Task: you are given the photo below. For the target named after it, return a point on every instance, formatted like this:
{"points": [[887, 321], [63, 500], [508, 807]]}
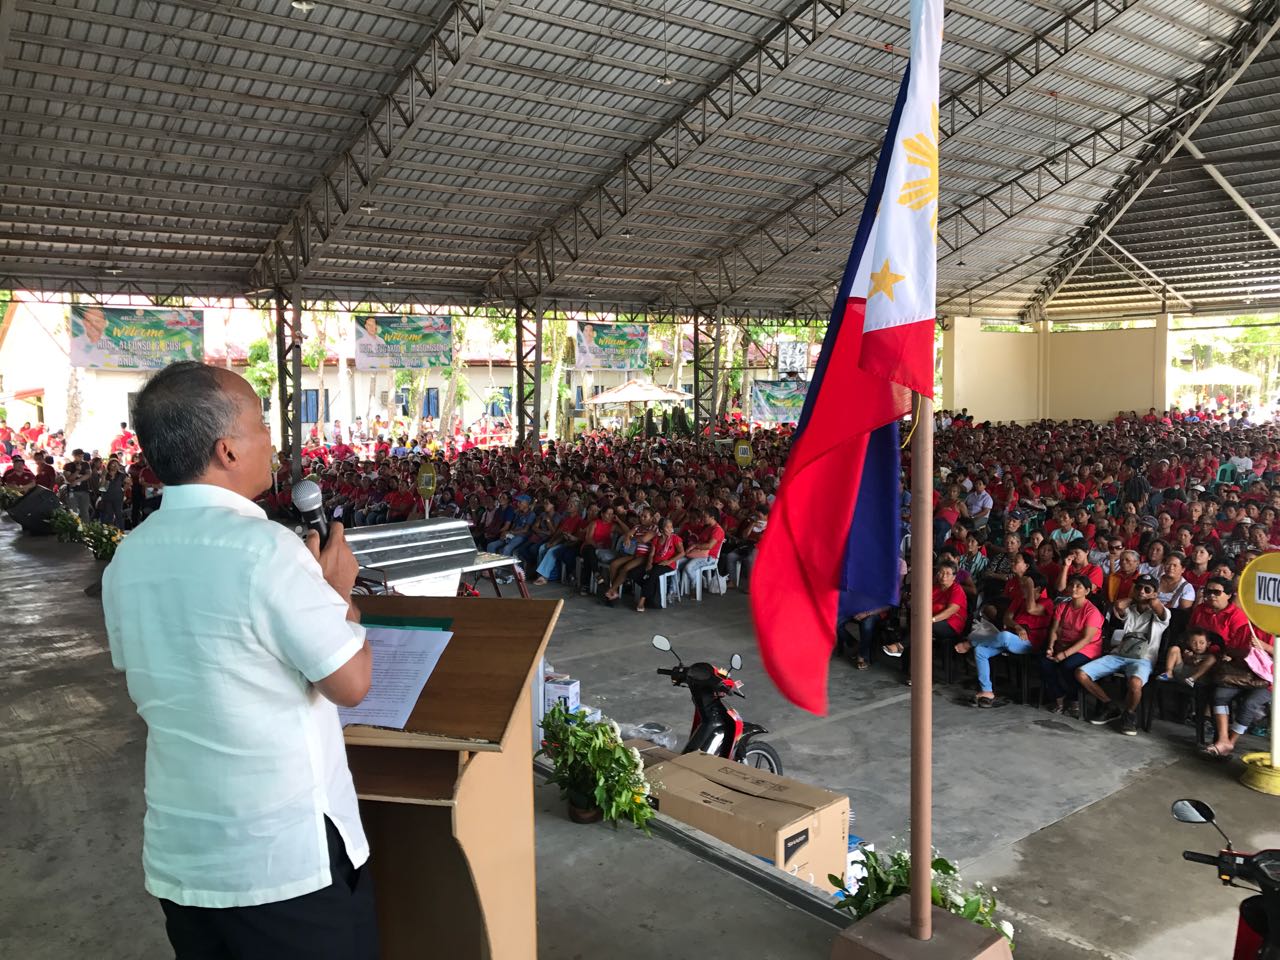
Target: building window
{"points": [[310, 406], [431, 403]]}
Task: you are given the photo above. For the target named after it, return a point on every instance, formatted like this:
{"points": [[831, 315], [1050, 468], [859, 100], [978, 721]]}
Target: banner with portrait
{"points": [[403, 342], [129, 338], [612, 346], [778, 401]]}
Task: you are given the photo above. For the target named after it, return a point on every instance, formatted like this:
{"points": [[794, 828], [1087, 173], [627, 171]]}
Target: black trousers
{"points": [[334, 923]]}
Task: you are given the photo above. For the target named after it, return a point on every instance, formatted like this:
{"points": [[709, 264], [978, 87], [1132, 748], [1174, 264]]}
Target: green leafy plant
{"points": [[593, 768], [260, 369], [67, 526], [101, 539], [8, 497], [889, 876]]}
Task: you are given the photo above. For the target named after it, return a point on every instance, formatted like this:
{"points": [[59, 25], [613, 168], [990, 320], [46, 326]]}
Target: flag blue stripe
{"points": [[870, 579], [865, 223]]}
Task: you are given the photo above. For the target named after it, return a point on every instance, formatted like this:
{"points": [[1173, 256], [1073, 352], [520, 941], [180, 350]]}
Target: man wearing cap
{"points": [[18, 477], [1134, 647]]}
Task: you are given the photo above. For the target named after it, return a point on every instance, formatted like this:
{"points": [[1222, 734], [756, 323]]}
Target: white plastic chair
{"points": [[668, 586]]}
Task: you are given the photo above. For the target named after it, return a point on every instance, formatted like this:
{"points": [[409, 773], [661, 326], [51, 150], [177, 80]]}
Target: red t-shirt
{"points": [[666, 548], [1197, 580], [18, 477], [1230, 624], [1036, 624], [953, 594], [601, 533], [716, 536], [1072, 623]]}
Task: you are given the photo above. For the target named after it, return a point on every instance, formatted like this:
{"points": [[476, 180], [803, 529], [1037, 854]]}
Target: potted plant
{"points": [[66, 525], [889, 876], [601, 778]]}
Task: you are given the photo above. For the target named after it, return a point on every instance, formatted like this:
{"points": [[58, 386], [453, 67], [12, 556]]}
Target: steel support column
{"points": [[528, 371], [289, 379], [707, 327]]}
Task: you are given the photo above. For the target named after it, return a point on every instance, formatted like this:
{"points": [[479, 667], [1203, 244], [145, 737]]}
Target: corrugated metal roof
{"points": [[635, 150]]}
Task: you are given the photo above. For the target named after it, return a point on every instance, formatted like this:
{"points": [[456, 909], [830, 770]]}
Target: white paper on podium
{"points": [[402, 664]]}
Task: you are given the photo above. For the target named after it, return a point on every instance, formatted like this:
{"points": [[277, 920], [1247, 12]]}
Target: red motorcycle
{"points": [[1258, 931], [718, 730]]}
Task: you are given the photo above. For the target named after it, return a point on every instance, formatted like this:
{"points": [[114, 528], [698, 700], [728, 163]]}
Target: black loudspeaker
{"points": [[34, 510]]}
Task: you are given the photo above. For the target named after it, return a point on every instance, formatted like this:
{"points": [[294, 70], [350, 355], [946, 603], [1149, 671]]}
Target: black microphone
{"points": [[310, 503]]}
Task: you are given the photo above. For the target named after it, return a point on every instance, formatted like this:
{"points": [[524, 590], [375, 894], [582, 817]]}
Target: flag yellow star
{"points": [[882, 281]]}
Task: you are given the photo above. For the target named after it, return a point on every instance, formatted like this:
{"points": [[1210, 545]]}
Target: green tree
{"points": [[260, 367]]}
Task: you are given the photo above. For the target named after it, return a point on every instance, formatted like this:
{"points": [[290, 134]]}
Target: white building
{"points": [[39, 384]]}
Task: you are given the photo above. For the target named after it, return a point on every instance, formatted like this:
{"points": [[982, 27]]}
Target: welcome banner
{"points": [[126, 338], [778, 401], [612, 346], [403, 342]]}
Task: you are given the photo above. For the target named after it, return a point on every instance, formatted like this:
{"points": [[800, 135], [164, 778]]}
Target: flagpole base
{"points": [[886, 935]]}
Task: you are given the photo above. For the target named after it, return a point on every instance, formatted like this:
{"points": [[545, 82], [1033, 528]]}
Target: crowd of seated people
{"points": [[1098, 550], [613, 512]]}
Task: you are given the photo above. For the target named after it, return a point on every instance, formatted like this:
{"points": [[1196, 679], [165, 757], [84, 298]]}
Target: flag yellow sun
{"points": [[922, 151]]}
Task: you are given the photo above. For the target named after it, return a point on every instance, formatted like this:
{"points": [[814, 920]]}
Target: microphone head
{"points": [[307, 496]]}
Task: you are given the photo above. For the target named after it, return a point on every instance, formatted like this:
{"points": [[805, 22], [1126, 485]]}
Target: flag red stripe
{"points": [[800, 559], [903, 354]]}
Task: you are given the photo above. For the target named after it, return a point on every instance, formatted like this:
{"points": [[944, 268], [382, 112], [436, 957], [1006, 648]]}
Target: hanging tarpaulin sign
{"points": [[793, 356], [778, 401], [612, 346], [403, 342], [128, 338]]}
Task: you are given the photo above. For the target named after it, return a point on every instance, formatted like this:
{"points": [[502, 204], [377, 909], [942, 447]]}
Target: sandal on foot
{"points": [[891, 653], [991, 703], [1212, 750], [862, 664]]}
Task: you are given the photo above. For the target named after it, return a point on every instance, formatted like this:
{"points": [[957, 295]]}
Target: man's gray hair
{"points": [[179, 416]]}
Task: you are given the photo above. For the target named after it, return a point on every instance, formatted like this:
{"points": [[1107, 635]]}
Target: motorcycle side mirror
{"points": [[1192, 811], [661, 642], [1197, 811], [735, 662]]}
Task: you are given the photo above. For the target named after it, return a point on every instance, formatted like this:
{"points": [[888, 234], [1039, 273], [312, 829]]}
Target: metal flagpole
{"points": [[922, 669]]}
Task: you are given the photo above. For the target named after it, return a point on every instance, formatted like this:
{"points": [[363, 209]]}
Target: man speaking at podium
{"points": [[237, 640]]}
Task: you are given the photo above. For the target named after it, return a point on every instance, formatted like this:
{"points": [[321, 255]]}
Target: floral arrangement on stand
{"points": [[593, 769], [101, 538], [889, 876], [8, 497]]}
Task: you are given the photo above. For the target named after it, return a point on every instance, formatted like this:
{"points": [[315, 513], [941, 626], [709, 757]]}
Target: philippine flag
{"points": [[832, 541]]}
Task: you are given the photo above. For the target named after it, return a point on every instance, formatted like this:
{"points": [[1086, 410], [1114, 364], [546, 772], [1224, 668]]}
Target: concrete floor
{"points": [[1069, 821], [71, 760]]}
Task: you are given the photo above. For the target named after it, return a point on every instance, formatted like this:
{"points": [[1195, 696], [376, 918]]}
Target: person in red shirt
{"points": [[18, 477], [1026, 628], [703, 552], [950, 606], [666, 553], [1075, 638], [401, 501], [1218, 615], [123, 441], [46, 476], [1077, 564]]}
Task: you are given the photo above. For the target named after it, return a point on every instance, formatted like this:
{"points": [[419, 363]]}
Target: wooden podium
{"points": [[447, 803]]}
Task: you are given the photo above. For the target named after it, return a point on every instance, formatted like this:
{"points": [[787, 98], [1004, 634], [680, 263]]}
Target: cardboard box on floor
{"points": [[651, 753], [801, 829]]}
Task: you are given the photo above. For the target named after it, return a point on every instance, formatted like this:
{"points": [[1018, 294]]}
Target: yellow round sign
{"points": [[427, 480], [743, 454], [1259, 594]]}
